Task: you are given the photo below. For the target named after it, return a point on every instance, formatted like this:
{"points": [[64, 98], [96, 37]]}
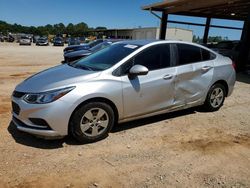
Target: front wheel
{"points": [[215, 97], [92, 122]]}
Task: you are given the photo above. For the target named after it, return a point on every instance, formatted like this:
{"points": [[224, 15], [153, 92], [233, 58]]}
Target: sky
{"points": [[108, 13]]}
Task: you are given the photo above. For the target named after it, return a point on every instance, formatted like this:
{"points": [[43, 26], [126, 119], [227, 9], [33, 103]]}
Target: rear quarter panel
{"points": [[223, 70]]}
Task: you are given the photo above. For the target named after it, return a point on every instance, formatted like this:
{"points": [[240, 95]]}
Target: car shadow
{"points": [[154, 119], [32, 141]]}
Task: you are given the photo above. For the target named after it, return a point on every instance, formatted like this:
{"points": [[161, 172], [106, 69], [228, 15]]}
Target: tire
{"points": [[87, 127], [215, 98]]}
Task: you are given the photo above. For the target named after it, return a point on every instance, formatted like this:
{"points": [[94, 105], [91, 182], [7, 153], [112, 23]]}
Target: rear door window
{"points": [[188, 54], [206, 55]]}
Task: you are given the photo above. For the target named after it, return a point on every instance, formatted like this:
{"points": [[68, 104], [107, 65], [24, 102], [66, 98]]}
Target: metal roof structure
{"points": [[222, 9], [225, 9]]}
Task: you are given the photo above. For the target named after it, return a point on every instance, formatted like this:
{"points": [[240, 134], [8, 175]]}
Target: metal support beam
{"points": [[203, 25], [156, 15], [206, 31], [163, 27], [245, 46]]}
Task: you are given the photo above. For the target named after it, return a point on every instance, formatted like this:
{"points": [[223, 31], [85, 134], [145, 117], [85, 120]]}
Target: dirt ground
{"points": [[189, 148]]}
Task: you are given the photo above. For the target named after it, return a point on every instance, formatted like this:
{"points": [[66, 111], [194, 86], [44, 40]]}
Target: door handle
{"points": [[206, 68], [168, 77]]}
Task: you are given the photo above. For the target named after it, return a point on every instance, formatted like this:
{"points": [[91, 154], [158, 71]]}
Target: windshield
{"points": [[94, 43], [106, 57], [100, 46], [58, 39], [42, 39]]}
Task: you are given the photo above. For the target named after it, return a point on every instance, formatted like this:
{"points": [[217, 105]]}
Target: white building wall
{"points": [[179, 34], [144, 33], [172, 34]]}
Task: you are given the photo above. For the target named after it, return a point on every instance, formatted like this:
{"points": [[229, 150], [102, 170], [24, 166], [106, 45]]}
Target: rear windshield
{"points": [[106, 57]]}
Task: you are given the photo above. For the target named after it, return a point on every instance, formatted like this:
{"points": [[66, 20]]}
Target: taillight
{"points": [[234, 65]]}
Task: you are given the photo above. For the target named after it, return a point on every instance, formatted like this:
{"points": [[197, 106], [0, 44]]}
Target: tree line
{"points": [[71, 29], [211, 39]]}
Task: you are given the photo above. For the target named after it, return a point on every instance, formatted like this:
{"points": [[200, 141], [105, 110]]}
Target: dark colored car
{"points": [[35, 38], [1, 38], [76, 55], [82, 46], [58, 41], [10, 39], [73, 41], [42, 41], [228, 48]]}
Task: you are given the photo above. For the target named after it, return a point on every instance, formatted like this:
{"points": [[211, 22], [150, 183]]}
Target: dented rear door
{"points": [[192, 81]]}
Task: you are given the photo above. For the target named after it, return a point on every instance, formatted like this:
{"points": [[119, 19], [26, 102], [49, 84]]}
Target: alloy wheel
{"points": [[94, 122], [216, 97]]}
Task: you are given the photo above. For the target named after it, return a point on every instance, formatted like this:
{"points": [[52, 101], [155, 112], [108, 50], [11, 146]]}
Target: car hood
{"points": [[42, 40], [77, 53], [54, 78]]}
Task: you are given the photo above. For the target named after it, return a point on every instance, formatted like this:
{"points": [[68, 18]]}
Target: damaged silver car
{"points": [[126, 81]]}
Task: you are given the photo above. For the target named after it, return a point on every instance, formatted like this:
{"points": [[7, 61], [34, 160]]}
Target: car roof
{"points": [[154, 41], [138, 42]]}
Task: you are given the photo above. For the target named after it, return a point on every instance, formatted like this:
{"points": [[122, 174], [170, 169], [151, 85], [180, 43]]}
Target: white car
{"points": [[25, 41]]}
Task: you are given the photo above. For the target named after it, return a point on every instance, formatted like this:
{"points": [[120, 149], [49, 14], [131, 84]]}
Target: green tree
{"points": [[80, 29], [70, 29]]}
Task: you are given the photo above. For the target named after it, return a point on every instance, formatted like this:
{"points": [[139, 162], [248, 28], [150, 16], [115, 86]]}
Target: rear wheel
{"points": [[92, 122], [215, 97]]}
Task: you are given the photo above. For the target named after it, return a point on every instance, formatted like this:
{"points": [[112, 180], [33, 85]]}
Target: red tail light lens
{"points": [[234, 65]]}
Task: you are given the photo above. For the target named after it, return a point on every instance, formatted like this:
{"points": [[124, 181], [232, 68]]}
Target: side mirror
{"points": [[138, 70]]}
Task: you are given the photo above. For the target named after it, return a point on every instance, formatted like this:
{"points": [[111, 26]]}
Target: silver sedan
{"points": [[128, 80]]}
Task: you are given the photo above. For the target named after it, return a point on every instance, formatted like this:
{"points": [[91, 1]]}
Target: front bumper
{"points": [[58, 44], [55, 114], [25, 43], [42, 44], [40, 133]]}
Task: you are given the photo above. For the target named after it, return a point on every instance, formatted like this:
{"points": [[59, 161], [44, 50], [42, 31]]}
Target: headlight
{"points": [[46, 97]]}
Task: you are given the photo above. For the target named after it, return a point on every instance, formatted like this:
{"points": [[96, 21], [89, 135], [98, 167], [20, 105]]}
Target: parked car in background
{"points": [[73, 41], [58, 41], [82, 39], [126, 81], [228, 48], [76, 55], [35, 38], [9, 38], [42, 41], [1, 38], [82, 46], [24, 40]]}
